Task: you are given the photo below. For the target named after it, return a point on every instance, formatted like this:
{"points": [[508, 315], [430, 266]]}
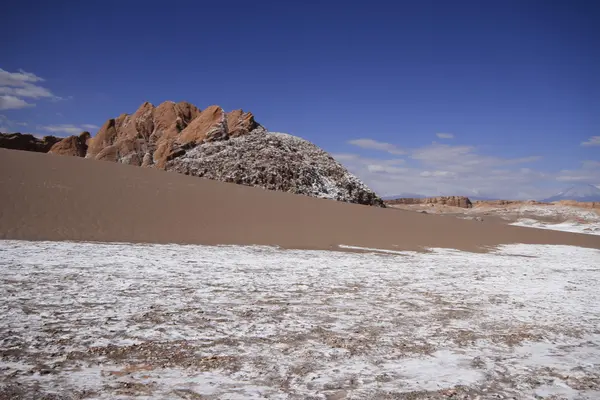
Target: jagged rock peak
{"points": [[153, 135]]}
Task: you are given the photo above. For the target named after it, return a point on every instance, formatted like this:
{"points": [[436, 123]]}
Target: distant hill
{"points": [[578, 193]]}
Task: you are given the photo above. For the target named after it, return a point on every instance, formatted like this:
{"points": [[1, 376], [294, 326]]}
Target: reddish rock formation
{"points": [[153, 135], [240, 123], [72, 146], [27, 142], [453, 201]]}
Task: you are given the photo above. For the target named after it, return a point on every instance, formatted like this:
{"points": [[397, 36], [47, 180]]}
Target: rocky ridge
{"points": [[452, 201], [219, 145], [27, 142]]}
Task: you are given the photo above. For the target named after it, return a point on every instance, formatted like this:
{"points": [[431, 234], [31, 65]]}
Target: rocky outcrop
{"points": [[225, 146], [72, 146], [154, 135], [27, 142], [453, 201], [213, 144], [274, 161]]}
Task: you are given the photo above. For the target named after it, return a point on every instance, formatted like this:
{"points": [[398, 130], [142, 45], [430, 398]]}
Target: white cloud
{"points": [[445, 135], [17, 86], [589, 164], [387, 169], [9, 122], [588, 173], [13, 103], [68, 128], [17, 78], [462, 159], [438, 174], [440, 169], [28, 90], [593, 141], [375, 145]]}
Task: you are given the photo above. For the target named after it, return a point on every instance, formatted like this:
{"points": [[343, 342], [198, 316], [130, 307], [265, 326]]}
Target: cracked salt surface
{"points": [[111, 321]]}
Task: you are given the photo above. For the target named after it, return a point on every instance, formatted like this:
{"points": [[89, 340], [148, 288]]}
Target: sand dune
{"points": [[46, 197]]}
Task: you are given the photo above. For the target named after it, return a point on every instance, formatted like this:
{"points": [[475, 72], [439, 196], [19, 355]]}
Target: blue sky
{"points": [[512, 86]]}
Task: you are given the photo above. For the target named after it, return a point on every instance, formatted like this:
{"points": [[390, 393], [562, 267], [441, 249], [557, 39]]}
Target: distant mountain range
{"points": [[578, 193]]}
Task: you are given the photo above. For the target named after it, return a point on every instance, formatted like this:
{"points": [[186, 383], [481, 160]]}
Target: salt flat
{"points": [[567, 226], [111, 321]]}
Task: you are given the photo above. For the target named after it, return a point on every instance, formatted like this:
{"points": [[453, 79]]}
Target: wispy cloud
{"points": [[441, 169], [7, 121], [69, 129], [13, 103], [589, 164], [375, 145], [15, 87], [437, 174], [10, 126], [463, 158], [588, 173], [445, 135], [593, 141]]}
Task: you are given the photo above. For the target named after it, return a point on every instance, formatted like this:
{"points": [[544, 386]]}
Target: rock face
{"points": [[154, 135], [214, 144], [72, 145], [274, 161], [453, 201], [27, 142]]}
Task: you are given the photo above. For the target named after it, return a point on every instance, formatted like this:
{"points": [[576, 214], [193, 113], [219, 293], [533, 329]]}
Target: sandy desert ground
{"points": [[47, 197], [117, 321], [559, 217], [408, 306]]}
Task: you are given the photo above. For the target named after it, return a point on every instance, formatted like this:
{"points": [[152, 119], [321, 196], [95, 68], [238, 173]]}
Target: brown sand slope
{"points": [[47, 197]]}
